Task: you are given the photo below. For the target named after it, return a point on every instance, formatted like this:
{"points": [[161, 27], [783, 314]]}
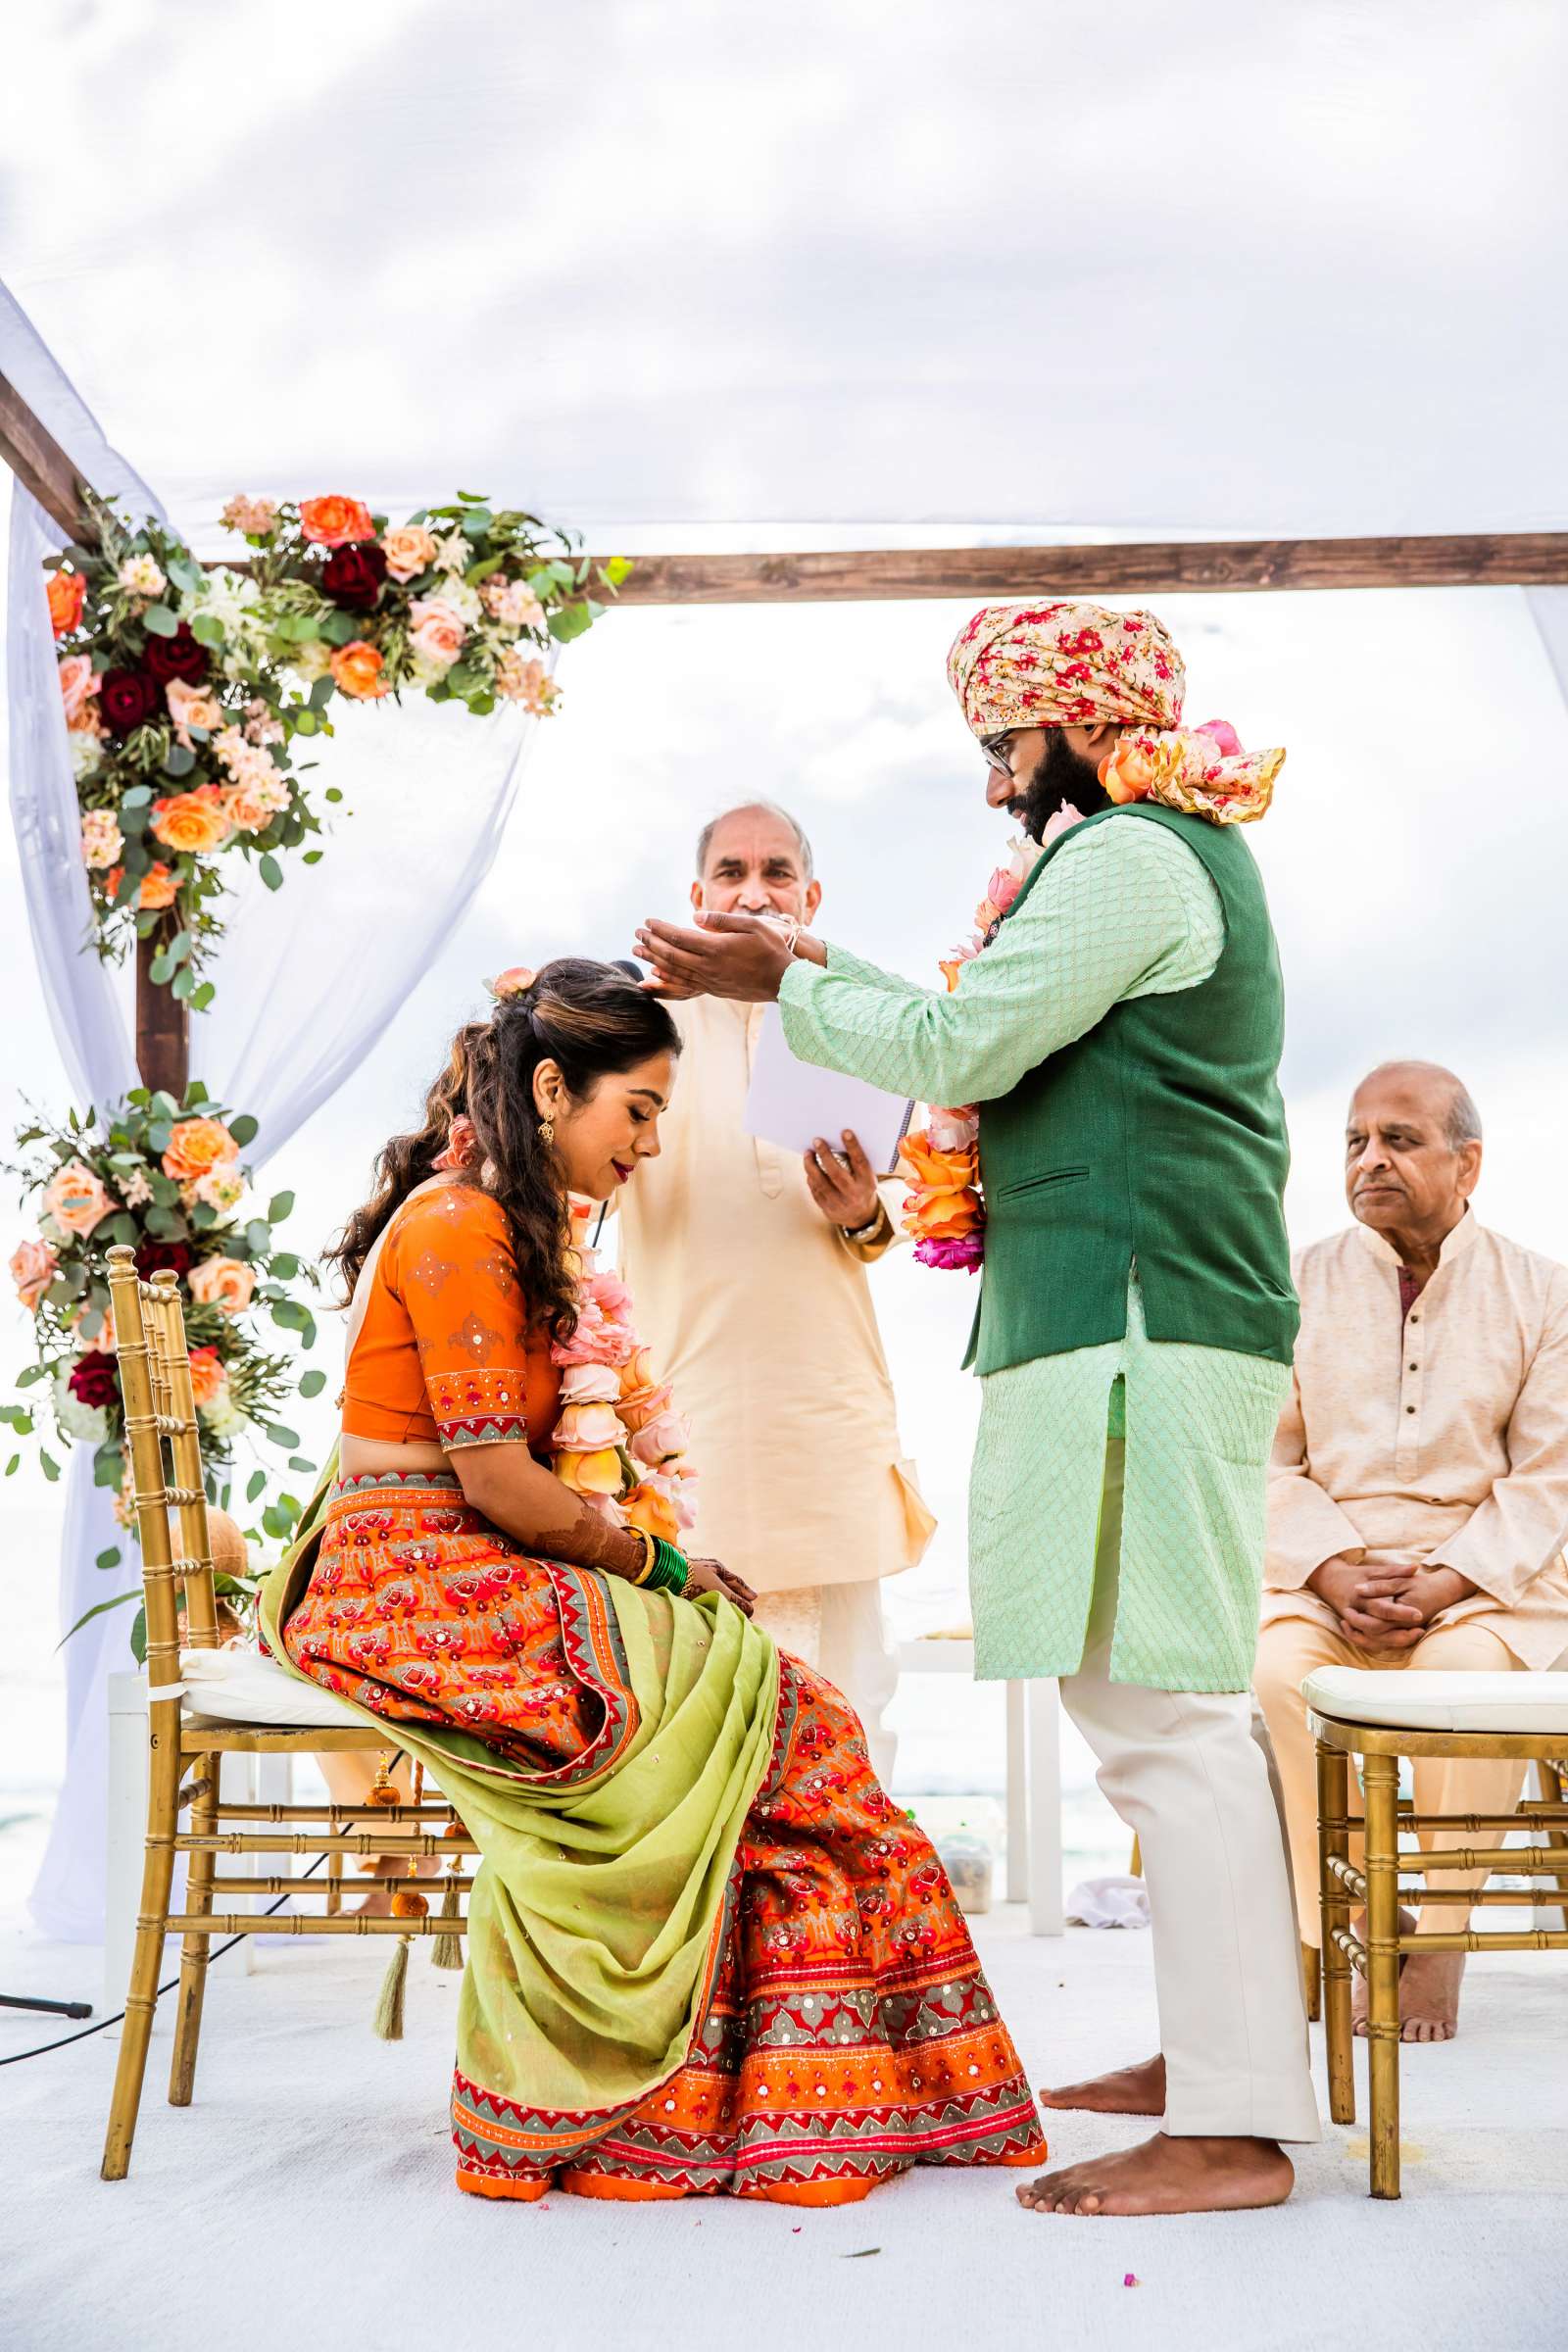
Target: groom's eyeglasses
{"points": [[995, 748]]}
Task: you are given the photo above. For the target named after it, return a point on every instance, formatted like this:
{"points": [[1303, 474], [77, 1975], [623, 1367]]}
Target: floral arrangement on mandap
{"points": [[620, 1443], [185, 688], [167, 1180]]}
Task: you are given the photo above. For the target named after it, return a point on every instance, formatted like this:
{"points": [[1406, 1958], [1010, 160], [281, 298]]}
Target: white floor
{"points": [[306, 2198]]}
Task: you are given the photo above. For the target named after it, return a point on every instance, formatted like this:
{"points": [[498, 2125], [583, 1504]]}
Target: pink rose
{"points": [[79, 684], [609, 1295], [1224, 734], [590, 1384], [586, 1428], [75, 1200], [32, 1270], [438, 631], [664, 1440], [408, 551]]}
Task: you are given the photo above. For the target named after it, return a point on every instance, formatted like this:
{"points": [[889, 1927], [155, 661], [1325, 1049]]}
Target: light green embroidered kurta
{"points": [[1122, 911]]}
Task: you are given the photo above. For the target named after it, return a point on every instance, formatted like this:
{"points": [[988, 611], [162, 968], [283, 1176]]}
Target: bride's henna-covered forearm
{"points": [[531, 1503]]}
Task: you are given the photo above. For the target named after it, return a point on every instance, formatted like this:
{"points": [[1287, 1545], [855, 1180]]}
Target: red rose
{"points": [[154, 1258], [178, 657], [95, 1380], [355, 575], [128, 698]]}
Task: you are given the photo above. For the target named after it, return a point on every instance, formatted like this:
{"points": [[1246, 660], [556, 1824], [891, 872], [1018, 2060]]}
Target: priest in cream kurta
{"points": [[755, 1303]]}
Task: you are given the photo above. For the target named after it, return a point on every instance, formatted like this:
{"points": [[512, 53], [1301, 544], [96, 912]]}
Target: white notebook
{"points": [[792, 1103]]}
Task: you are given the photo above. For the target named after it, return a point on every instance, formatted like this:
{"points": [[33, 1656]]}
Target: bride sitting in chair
{"points": [[705, 1951]]}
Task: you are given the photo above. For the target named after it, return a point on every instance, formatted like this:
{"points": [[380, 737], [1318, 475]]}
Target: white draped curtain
{"points": [[307, 980]]}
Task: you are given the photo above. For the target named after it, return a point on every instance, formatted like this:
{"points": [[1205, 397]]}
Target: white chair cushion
{"points": [[240, 1685], [1413, 1702]]}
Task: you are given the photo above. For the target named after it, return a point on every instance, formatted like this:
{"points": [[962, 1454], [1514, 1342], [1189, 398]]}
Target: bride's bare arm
{"points": [[515, 1494]]}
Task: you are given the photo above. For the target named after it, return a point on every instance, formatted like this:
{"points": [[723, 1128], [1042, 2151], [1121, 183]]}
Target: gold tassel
{"points": [[387, 2023], [445, 1951]]}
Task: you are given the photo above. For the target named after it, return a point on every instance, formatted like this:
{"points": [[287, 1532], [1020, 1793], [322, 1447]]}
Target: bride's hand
{"points": [[711, 1575]]}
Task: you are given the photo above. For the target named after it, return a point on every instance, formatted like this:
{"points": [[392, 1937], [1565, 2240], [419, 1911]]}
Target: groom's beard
{"points": [[1060, 774]]}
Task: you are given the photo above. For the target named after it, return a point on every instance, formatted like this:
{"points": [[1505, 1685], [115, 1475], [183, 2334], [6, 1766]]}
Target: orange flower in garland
{"points": [[357, 670], [335, 520], [66, 593]]}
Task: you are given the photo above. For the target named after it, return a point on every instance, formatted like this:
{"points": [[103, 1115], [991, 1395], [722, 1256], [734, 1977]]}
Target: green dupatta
{"points": [[599, 1911]]}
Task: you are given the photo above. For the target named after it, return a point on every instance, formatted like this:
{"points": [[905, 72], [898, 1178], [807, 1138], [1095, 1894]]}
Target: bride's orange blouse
{"points": [[443, 1355]]}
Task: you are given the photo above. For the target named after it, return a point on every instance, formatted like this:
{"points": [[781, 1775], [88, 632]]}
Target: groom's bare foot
{"points": [[1131, 2090], [1168, 2175]]}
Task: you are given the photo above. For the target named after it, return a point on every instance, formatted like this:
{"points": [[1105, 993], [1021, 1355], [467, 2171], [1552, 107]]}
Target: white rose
{"points": [[464, 600], [86, 753], [311, 660], [88, 1423], [223, 1416]]}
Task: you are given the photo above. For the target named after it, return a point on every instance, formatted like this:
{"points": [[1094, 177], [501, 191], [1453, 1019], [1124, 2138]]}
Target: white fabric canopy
{"points": [[1169, 270]]}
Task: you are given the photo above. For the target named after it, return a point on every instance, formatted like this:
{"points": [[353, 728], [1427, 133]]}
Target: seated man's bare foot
{"points": [[1168, 2175], [1131, 2090], [1429, 1996]]}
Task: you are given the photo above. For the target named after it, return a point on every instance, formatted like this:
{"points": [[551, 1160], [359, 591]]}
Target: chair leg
{"points": [[1334, 1839], [1381, 1788], [1312, 1982], [194, 1949], [156, 1877]]}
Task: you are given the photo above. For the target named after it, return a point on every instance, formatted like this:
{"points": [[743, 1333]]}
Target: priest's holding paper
{"points": [[747, 1261]]}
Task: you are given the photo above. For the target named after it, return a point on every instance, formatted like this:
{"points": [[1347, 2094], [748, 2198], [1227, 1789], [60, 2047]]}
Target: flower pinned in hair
{"points": [[516, 981]]}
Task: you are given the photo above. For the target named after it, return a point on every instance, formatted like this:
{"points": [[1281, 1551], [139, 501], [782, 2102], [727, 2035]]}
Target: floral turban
{"points": [[1074, 665]]}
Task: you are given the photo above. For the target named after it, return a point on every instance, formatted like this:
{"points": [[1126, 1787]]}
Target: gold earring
{"points": [[547, 1131]]}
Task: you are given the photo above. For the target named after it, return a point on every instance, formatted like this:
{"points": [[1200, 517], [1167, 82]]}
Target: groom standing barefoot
{"points": [[1120, 1033]]}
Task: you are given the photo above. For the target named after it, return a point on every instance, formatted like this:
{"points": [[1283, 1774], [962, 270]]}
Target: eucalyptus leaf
{"points": [[159, 620], [258, 1238], [110, 1558], [257, 1481], [280, 1205], [243, 1129], [311, 1383], [177, 760], [207, 629], [49, 1466], [271, 872]]}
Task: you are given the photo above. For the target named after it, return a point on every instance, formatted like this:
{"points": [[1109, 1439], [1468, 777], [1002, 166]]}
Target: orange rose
{"points": [[66, 593], [333, 520], [208, 1379], [647, 1508], [357, 670], [222, 1282], [197, 1145], [1128, 772], [192, 822]]}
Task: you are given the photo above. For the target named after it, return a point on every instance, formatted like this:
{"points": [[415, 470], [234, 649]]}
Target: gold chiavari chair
{"points": [[167, 1481], [1383, 1718]]}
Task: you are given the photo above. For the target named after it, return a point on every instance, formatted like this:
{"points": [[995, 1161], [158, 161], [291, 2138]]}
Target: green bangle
{"points": [[670, 1568]]}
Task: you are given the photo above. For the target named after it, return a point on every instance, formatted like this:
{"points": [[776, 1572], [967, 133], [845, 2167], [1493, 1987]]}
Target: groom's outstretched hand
{"points": [[739, 955]]}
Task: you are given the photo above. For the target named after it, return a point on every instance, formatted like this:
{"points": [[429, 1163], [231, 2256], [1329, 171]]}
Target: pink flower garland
{"points": [[620, 1443]]}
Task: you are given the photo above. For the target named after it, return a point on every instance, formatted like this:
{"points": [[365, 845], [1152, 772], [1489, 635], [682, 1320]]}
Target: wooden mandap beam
{"points": [[38, 461], [1518, 558]]}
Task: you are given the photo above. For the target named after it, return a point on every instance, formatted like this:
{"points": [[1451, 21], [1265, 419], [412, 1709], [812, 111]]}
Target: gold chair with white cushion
{"points": [[1381, 1718], [205, 1702]]}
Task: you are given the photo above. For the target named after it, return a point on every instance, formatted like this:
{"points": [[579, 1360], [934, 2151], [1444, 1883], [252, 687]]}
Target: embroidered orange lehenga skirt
{"points": [[847, 2033]]}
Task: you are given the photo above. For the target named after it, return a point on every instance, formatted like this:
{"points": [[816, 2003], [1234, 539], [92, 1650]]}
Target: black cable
{"points": [[88, 2032], [104, 2023]]}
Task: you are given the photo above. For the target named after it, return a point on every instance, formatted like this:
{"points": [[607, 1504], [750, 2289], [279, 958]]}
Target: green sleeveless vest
{"points": [[1160, 1136]]}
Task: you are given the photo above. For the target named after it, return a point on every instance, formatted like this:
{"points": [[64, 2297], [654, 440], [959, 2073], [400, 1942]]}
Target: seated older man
{"points": [[1418, 1498]]}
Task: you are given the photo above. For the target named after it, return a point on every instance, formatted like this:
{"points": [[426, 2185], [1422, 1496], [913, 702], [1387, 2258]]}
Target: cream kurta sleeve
{"points": [[1122, 911], [1305, 1524], [1518, 1531]]}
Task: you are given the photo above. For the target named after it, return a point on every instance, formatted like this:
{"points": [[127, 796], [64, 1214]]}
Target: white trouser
{"points": [[838, 1629], [1183, 1770]]}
